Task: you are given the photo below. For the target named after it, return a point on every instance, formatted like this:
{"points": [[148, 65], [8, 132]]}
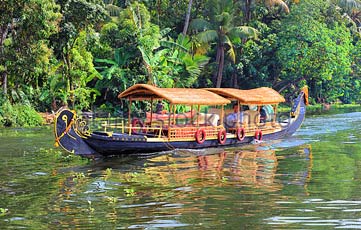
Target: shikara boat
{"points": [[201, 124]]}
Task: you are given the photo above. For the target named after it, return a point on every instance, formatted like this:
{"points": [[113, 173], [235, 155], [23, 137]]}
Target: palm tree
{"points": [[221, 29], [247, 6]]}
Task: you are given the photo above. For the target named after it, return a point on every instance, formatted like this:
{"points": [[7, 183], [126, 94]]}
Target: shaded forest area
{"points": [[84, 52]]}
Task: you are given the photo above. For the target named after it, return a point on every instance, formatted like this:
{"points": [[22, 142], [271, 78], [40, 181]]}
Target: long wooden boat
{"points": [[202, 126]]}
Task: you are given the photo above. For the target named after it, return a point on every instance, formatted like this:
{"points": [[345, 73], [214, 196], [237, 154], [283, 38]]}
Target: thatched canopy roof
{"points": [[183, 96], [258, 96]]}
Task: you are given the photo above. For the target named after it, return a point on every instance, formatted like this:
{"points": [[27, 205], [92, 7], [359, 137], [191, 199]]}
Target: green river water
{"points": [[311, 180]]}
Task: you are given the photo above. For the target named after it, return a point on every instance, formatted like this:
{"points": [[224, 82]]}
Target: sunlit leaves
{"points": [[25, 27], [312, 50]]}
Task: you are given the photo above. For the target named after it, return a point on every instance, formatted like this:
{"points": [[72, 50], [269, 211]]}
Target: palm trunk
{"points": [[235, 79], [188, 15], [220, 68], [248, 10], [218, 58]]}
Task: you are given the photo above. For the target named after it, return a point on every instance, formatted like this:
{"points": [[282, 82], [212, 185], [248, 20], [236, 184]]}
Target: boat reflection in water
{"points": [[185, 188], [250, 167]]}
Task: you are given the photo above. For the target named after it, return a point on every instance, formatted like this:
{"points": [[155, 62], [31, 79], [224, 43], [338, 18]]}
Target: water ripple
{"points": [[319, 208]]}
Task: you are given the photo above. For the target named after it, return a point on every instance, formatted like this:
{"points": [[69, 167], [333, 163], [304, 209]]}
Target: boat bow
{"points": [[67, 135]]}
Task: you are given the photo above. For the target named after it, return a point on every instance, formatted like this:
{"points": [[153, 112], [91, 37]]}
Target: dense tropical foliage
{"points": [[84, 52]]}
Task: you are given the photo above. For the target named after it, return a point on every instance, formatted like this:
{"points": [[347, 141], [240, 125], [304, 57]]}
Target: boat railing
{"points": [[156, 129], [120, 126], [107, 124], [189, 132], [159, 128]]}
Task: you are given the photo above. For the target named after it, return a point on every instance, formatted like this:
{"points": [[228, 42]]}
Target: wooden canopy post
{"points": [[151, 112], [275, 112], [174, 113], [198, 111], [170, 113], [169, 120], [129, 110], [238, 115], [222, 115], [191, 121], [258, 117]]}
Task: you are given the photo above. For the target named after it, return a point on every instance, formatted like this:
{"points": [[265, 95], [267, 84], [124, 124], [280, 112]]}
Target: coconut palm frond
{"points": [[200, 25], [207, 36], [113, 10], [245, 32], [231, 53], [201, 60], [224, 19], [173, 45]]}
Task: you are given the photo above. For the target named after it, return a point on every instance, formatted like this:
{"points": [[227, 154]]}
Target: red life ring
{"points": [[200, 136], [240, 134], [137, 126], [258, 135], [222, 136]]}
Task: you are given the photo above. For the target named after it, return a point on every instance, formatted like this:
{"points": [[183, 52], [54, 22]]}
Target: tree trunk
{"points": [[5, 82], [188, 15], [235, 79], [288, 83], [220, 68], [66, 74], [4, 29], [218, 58], [247, 13]]}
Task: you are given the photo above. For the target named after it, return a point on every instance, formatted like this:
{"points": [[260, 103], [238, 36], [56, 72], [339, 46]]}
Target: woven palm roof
{"points": [[185, 96], [258, 96]]}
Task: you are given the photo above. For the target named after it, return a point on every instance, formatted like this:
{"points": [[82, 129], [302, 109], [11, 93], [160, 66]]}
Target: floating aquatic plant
{"points": [[3, 211], [129, 191]]}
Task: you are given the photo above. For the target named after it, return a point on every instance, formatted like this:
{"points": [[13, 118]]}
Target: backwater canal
{"points": [[311, 180]]}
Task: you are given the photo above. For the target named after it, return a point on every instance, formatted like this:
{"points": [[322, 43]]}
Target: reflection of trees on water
{"points": [[182, 178], [298, 171]]}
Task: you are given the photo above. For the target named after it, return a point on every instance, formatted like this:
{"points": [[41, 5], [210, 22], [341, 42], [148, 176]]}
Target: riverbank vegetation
{"points": [[84, 52]]}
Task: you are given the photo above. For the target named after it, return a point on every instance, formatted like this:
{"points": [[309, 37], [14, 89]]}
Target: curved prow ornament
{"points": [[67, 136]]}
